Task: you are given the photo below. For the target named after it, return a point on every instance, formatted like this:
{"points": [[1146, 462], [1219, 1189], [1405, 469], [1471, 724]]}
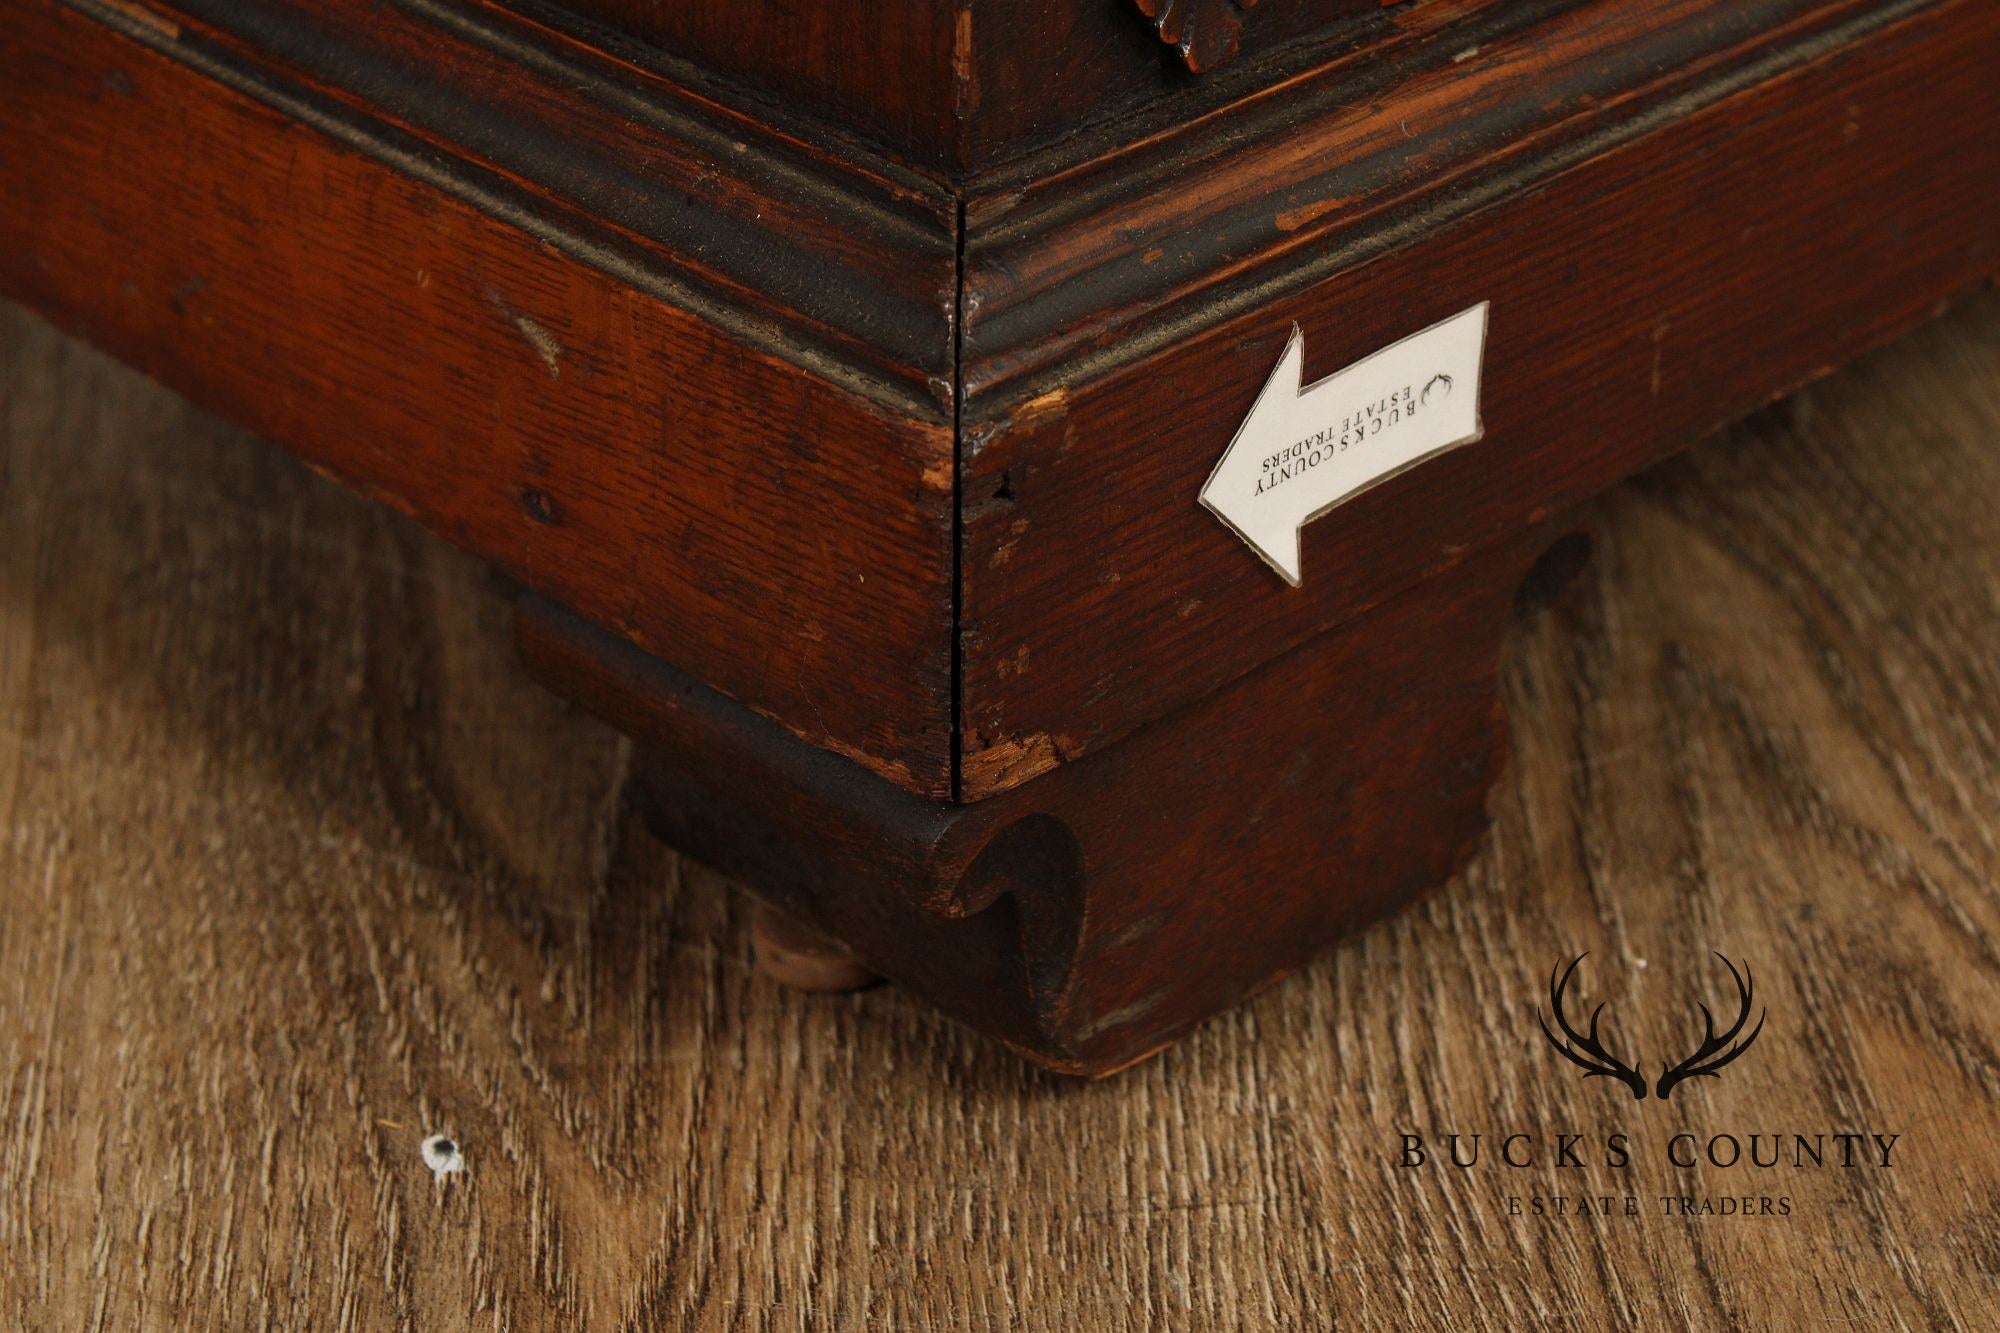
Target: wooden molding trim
{"points": [[782, 391], [690, 374], [901, 474], [1677, 210], [838, 261], [1085, 260]]}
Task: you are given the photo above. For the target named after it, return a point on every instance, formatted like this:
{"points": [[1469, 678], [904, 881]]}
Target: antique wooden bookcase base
{"points": [[840, 384]]}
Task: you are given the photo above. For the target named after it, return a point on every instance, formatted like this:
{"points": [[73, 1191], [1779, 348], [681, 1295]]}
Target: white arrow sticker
{"points": [[1301, 451]]}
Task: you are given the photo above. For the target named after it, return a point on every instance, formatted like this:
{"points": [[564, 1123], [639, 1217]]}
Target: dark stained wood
{"points": [[866, 501], [1089, 918], [723, 356], [556, 356], [1798, 183], [885, 72], [297, 866], [956, 86]]}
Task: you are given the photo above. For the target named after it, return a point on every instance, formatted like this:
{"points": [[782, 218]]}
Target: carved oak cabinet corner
{"points": [[1049, 520]]}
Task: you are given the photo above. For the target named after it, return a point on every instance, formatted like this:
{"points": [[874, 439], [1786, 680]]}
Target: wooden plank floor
{"points": [[296, 868]]}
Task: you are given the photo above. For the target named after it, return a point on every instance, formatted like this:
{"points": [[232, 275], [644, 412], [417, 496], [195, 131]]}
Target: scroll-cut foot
{"points": [[794, 954], [1093, 914]]}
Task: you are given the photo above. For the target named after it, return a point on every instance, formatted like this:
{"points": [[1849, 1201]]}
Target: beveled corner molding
{"points": [[864, 492], [1624, 233], [1207, 33], [502, 280]]}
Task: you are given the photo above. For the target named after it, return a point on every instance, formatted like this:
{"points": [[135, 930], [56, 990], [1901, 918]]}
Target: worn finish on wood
{"points": [[962, 86], [703, 416], [626, 341], [909, 464], [296, 866], [1092, 917], [1709, 229]]}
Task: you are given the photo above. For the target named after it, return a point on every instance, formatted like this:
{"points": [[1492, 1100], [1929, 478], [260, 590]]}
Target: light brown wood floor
{"points": [[296, 867]]}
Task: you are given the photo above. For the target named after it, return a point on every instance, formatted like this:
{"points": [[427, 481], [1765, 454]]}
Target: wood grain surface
{"points": [[515, 343], [296, 867], [1646, 287], [964, 85]]}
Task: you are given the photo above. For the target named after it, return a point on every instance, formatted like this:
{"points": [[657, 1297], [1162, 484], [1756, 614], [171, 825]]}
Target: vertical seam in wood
{"points": [[955, 724]]}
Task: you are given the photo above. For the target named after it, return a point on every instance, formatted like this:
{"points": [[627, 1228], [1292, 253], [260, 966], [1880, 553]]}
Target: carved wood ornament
{"points": [[1205, 32]]}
